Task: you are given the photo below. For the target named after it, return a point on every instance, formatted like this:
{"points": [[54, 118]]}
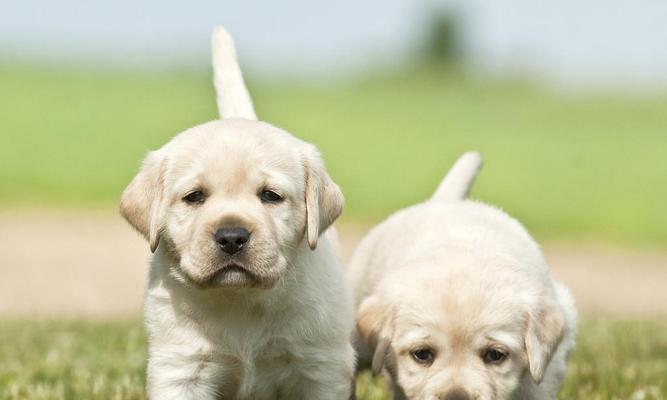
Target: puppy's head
{"points": [[461, 335], [231, 201]]}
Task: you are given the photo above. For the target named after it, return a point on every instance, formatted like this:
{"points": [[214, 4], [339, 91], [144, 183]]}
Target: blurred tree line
{"points": [[443, 41]]}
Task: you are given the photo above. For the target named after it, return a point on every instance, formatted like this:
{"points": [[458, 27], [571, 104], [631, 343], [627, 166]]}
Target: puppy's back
{"points": [[436, 229]]}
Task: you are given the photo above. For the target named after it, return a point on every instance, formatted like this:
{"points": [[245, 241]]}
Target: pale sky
{"points": [[571, 40]]}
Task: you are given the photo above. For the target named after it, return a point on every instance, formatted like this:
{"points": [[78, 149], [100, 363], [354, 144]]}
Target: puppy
{"points": [[246, 298], [456, 302]]}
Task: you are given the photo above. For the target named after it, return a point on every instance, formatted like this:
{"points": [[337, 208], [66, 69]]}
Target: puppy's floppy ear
{"points": [[545, 328], [232, 95], [375, 325], [142, 202], [324, 199]]}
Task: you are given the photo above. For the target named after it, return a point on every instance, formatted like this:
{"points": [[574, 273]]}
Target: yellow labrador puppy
{"points": [[246, 297], [455, 301]]}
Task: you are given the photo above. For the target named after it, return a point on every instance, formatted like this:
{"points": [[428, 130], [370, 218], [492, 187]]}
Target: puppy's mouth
{"points": [[233, 275], [229, 272]]}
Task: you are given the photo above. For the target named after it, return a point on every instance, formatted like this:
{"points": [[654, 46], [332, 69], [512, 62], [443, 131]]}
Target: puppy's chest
{"points": [[265, 370]]}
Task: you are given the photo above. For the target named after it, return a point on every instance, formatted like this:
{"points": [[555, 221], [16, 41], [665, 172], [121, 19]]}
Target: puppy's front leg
{"points": [[173, 375], [329, 379]]}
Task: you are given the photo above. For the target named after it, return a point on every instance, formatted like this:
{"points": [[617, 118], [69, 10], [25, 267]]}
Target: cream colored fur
{"points": [[272, 321], [460, 278]]}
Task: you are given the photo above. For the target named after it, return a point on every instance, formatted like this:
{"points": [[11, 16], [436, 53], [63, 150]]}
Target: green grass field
{"points": [[105, 360], [576, 167]]}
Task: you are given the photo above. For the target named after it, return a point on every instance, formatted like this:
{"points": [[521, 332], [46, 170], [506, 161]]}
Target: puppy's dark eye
{"points": [[268, 196], [423, 355], [196, 197], [494, 356]]}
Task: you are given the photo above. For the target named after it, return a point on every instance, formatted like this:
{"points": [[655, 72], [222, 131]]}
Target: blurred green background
{"points": [[568, 166]]}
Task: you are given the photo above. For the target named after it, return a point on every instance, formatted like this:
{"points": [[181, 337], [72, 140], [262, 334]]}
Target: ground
{"points": [[95, 264], [72, 287], [102, 360]]}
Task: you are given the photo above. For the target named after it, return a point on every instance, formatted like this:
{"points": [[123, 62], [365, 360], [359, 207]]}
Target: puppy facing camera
{"points": [[246, 296], [469, 310]]}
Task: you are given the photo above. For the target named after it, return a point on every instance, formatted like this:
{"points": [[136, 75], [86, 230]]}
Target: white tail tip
{"points": [[459, 180], [232, 95]]}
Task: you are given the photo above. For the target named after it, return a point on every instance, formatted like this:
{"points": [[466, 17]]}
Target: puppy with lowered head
{"points": [[246, 298], [456, 302]]}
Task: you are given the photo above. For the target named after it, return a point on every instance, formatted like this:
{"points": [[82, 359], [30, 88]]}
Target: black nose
{"points": [[456, 394], [232, 240]]}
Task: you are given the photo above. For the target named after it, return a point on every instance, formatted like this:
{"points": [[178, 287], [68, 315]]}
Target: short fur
{"points": [[272, 321], [460, 278]]}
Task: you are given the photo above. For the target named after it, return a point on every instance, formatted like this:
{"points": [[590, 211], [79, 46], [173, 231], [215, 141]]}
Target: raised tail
{"points": [[232, 96], [457, 183]]}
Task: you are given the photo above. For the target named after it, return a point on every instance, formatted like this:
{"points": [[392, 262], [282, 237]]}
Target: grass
{"points": [[72, 360], [75, 359], [578, 166]]}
